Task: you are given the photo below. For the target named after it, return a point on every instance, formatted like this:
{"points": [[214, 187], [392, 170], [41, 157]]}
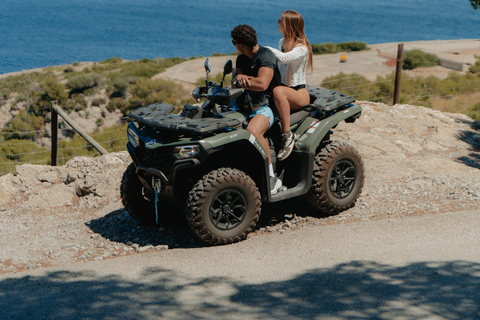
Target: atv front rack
{"points": [[159, 115]]}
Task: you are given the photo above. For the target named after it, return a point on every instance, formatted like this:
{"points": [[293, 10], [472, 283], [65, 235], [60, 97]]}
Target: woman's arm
{"points": [[298, 52]]}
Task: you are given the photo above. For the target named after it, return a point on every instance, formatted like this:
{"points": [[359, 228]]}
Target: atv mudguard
{"points": [[312, 131]]}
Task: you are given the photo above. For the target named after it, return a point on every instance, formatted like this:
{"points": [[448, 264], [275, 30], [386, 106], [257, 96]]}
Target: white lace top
{"points": [[292, 64]]}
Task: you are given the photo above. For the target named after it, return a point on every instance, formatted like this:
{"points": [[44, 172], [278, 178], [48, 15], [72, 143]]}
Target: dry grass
{"points": [[456, 104]]}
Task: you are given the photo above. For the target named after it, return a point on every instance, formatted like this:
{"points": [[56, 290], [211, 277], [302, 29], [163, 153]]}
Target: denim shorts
{"points": [[264, 111]]}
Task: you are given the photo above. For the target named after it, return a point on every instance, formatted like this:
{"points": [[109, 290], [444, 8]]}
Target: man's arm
{"points": [[259, 83]]}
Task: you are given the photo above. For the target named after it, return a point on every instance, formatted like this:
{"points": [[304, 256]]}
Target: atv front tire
{"points": [[224, 206], [133, 199], [338, 176]]}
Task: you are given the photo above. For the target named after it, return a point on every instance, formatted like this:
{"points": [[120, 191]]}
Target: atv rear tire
{"points": [[131, 192], [338, 176], [224, 206]]}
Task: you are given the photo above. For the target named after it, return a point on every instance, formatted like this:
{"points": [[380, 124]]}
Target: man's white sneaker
{"points": [[275, 184]]}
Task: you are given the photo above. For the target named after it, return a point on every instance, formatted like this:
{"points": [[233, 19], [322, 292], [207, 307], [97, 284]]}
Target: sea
{"points": [[40, 33]]}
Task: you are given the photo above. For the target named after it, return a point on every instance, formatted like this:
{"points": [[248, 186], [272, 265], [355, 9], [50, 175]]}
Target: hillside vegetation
{"points": [[93, 91]]}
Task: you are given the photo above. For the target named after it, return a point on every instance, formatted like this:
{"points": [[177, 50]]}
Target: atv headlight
{"points": [[185, 152], [133, 138]]}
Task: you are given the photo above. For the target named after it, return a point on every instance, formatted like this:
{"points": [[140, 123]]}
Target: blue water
{"points": [[39, 33]]}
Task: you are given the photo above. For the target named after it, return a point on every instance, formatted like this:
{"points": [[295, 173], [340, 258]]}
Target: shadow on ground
{"points": [[472, 137], [119, 227], [355, 290]]}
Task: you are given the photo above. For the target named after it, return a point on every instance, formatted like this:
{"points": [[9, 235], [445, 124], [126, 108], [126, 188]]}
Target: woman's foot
{"points": [[288, 141]]}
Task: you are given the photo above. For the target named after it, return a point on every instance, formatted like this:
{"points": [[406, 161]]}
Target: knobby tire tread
{"points": [[317, 195], [197, 200]]}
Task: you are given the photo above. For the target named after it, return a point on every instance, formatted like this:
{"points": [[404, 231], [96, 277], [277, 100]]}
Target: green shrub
{"points": [[69, 105], [414, 90], [120, 87], [417, 58], [112, 60], [22, 151], [351, 84], [21, 97], [80, 102], [474, 112], [475, 68], [116, 103], [145, 68], [98, 102], [53, 90], [113, 139], [4, 94], [330, 47], [324, 48], [69, 69], [25, 125], [23, 82], [352, 46], [217, 78], [82, 82]]}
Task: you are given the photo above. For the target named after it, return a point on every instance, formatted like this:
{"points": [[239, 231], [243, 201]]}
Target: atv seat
{"points": [[298, 116]]}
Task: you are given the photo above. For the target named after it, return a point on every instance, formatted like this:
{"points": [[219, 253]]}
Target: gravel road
{"points": [[421, 267]]}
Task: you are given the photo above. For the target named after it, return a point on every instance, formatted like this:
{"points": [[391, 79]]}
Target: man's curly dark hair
{"points": [[244, 34]]}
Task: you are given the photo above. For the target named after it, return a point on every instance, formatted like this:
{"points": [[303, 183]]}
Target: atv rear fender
{"points": [[312, 131]]}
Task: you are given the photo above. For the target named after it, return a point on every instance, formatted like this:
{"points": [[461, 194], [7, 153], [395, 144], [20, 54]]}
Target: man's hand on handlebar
{"points": [[242, 81]]}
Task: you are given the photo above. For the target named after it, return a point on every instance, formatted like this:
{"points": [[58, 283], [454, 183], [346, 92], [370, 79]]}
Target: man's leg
{"points": [[257, 126]]}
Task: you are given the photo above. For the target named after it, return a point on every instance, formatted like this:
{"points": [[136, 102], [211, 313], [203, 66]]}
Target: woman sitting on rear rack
{"points": [[294, 56]]}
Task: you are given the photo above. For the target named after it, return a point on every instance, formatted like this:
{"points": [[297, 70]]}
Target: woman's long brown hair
{"points": [[294, 33]]}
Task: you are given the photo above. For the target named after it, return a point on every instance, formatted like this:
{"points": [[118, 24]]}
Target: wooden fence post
{"points": [[79, 130], [54, 137], [398, 74]]}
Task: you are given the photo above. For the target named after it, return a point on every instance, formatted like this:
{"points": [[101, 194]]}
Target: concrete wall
{"points": [[451, 64]]}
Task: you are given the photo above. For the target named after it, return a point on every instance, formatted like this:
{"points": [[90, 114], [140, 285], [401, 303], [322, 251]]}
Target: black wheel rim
{"points": [[228, 209], [342, 179]]}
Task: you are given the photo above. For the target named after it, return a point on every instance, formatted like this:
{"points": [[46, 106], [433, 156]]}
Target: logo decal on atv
{"points": [[313, 126]]}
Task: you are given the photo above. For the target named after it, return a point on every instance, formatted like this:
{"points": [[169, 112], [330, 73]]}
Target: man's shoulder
{"points": [[262, 51], [266, 57], [242, 57]]}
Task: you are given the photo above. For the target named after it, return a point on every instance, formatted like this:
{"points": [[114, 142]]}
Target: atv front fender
{"points": [[227, 138]]}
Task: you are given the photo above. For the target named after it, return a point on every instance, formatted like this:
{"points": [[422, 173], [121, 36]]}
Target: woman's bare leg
{"points": [[287, 99]]}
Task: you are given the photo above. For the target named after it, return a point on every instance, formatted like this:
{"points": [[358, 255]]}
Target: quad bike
{"points": [[204, 162]]}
